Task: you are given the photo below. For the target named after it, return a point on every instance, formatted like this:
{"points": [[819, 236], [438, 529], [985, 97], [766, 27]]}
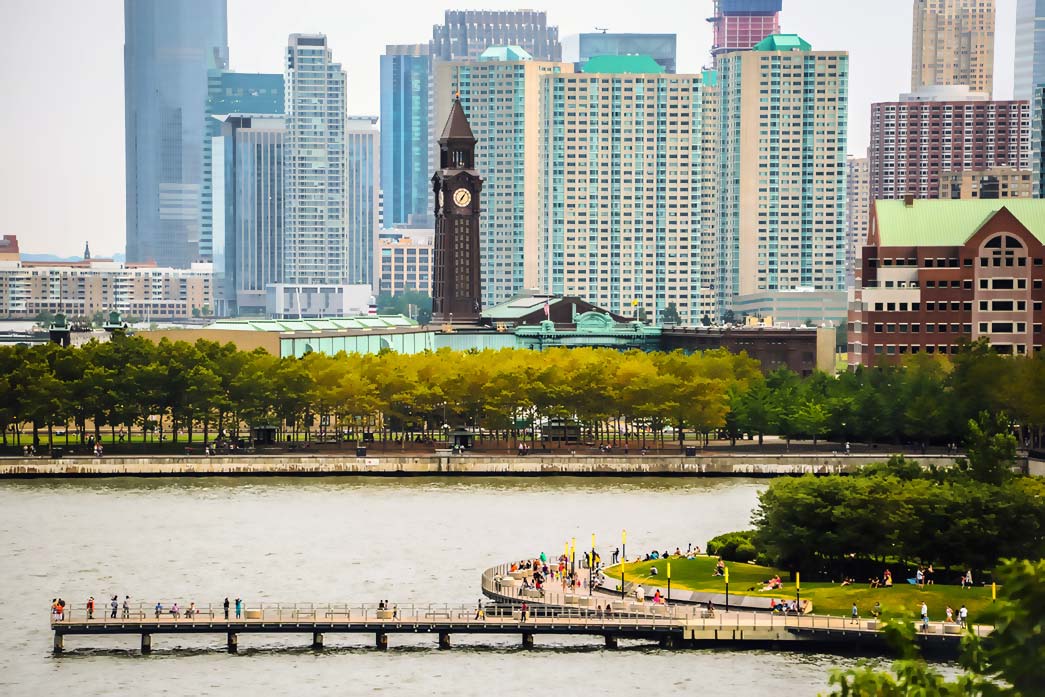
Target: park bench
{"points": [[441, 613]]}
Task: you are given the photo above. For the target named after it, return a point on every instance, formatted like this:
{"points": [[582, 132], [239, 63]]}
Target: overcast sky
{"points": [[61, 81]]}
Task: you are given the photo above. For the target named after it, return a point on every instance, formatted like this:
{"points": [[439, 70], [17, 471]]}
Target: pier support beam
{"points": [[381, 641], [59, 642], [146, 643], [317, 640], [611, 641], [667, 642], [233, 642], [527, 640], [444, 640]]}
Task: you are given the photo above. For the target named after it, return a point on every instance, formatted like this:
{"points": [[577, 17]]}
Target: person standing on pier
{"points": [[226, 607], [90, 608], [126, 607], [925, 617], [239, 607], [114, 605], [855, 618]]}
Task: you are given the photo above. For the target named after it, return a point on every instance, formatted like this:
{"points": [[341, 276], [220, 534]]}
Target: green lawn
{"points": [[827, 598]]}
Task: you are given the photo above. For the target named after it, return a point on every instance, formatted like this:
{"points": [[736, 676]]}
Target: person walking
{"points": [[158, 609], [114, 605], [126, 608], [90, 608], [925, 617], [524, 611], [855, 618], [963, 616], [479, 609], [226, 606]]}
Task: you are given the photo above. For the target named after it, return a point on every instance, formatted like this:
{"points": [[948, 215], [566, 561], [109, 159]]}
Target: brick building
{"points": [[937, 272]]}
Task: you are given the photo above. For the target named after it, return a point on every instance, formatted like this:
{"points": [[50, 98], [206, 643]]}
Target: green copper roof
{"points": [[949, 223], [313, 325], [505, 53], [622, 64], [709, 77], [783, 42]]}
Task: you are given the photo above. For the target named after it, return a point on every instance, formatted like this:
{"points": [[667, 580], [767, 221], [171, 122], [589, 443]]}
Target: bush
{"points": [[734, 546], [745, 552]]}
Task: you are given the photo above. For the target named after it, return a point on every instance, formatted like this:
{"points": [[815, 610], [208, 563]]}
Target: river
{"points": [[350, 540]]}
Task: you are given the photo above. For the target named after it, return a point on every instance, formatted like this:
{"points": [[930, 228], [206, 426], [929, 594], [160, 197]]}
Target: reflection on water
{"points": [[349, 540]]}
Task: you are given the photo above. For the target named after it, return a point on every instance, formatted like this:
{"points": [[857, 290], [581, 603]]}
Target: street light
{"points": [[591, 565], [573, 556], [669, 581], [798, 590], [624, 559], [726, 572]]}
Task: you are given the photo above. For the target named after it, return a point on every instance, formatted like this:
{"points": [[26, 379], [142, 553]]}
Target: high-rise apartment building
{"points": [[500, 93], [404, 257], [740, 24], [659, 47], [709, 172], [782, 167], [1030, 48], [1037, 145], [362, 211], [229, 93], [168, 49], [914, 142], [465, 34], [405, 74], [998, 182], [620, 176], [249, 200], [953, 44], [858, 205], [314, 161]]}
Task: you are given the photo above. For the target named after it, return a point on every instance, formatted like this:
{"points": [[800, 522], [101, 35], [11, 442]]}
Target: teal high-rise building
{"points": [[405, 75]]}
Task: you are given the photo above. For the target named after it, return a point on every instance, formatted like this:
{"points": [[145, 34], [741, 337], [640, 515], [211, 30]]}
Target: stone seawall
{"points": [[711, 465]]}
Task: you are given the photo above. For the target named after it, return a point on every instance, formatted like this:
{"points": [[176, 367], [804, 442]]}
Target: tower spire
{"points": [[87, 251]]}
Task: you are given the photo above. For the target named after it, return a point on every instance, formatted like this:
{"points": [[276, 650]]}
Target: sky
{"points": [[62, 179]]}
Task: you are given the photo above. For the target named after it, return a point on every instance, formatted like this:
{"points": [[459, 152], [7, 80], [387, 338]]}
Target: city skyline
{"points": [[92, 37]]}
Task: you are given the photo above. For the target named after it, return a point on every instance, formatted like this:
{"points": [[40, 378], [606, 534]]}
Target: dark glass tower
{"points": [[168, 49], [457, 287]]}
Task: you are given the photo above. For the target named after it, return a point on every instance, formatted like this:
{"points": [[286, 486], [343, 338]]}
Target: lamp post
{"points": [[573, 556], [798, 590], [669, 581], [726, 572], [591, 565], [624, 559]]}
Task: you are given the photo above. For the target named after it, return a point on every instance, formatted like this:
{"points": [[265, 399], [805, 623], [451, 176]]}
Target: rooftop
{"points": [[457, 124], [325, 324], [622, 64], [783, 42], [950, 222], [505, 53]]}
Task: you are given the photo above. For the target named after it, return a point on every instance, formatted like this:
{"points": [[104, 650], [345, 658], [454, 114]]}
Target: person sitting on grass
{"points": [[720, 568], [847, 581]]}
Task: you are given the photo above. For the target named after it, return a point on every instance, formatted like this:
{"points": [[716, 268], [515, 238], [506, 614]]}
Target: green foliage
{"points": [[410, 303], [990, 448], [733, 546]]}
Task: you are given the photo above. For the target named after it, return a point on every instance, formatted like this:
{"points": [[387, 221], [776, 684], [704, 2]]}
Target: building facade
{"points": [[936, 273], [362, 207], [953, 44], [659, 47], [405, 74], [500, 94], [169, 48], [999, 182], [914, 142], [249, 192], [314, 161], [1030, 48], [82, 289], [782, 169], [229, 93], [1037, 144], [620, 176], [857, 204], [465, 34], [404, 261], [740, 24], [709, 298]]}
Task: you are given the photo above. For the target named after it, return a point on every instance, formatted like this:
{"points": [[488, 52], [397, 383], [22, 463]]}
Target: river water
{"points": [[350, 540]]}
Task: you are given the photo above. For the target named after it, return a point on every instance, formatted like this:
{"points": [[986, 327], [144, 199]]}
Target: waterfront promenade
{"points": [[747, 464]]}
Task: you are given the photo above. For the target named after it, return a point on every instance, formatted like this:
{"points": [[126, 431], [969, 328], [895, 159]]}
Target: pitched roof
{"points": [[622, 64], [783, 42], [949, 223], [457, 124]]}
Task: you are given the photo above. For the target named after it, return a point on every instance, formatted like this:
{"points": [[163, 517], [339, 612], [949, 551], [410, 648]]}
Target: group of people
{"points": [[785, 607], [384, 605], [123, 608]]}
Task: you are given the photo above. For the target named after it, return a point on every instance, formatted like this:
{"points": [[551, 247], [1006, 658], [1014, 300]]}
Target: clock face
{"points": [[462, 197], [440, 198]]}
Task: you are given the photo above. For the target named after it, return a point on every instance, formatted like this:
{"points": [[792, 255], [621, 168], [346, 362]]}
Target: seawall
{"points": [[710, 465]]}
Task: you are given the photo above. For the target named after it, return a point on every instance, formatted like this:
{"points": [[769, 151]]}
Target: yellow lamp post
{"points": [[669, 581], [726, 573], [591, 565], [623, 559], [798, 590]]}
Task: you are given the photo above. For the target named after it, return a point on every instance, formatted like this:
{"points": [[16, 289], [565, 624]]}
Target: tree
{"points": [[990, 449], [811, 419], [670, 315]]}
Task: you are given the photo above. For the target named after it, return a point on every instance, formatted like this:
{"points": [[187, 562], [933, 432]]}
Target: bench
{"points": [[707, 614], [432, 614], [384, 614]]}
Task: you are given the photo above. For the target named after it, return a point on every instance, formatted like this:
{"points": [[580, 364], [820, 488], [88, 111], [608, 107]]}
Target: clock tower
{"points": [[456, 286]]}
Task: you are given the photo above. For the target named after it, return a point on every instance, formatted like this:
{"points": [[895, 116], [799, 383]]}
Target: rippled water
{"points": [[349, 540]]}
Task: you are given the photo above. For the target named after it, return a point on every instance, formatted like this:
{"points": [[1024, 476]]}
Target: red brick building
{"points": [[914, 142], [934, 272]]}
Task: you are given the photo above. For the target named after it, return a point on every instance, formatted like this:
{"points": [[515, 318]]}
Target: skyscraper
{"points": [[620, 177], [168, 49], [249, 202], [363, 174], [465, 34], [740, 24], [659, 47], [782, 166], [858, 205], [500, 94], [953, 44], [314, 162], [405, 74], [229, 93], [1030, 48]]}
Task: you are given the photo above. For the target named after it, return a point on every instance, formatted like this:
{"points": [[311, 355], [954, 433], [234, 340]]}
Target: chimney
{"points": [[908, 201]]}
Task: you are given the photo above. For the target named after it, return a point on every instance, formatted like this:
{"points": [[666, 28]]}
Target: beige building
{"points": [[404, 260], [500, 93], [621, 187], [999, 182], [782, 148], [858, 205], [953, 44], [81, 289], [708, 299]]}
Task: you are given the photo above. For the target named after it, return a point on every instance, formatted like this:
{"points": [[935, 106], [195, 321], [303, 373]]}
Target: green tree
{"points": [[990, 449]]}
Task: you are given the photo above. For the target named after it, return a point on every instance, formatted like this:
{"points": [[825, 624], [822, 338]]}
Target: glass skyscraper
{"points": [[362, 176], [405, 74], [659, 47], [168, 49], [1030, 48]]}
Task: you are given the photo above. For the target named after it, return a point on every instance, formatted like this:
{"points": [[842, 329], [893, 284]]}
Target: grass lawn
{"points": [[827, 598]]}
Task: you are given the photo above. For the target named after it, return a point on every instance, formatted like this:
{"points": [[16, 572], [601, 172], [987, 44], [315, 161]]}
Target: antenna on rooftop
{"points": [[602, 30]]}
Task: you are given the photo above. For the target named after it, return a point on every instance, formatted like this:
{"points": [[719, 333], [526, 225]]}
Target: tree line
{"points": [[178, 390]]}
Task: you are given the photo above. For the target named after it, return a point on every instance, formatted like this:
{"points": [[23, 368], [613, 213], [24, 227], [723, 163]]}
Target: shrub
{"points": [[729, 546], [744, 553]]}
